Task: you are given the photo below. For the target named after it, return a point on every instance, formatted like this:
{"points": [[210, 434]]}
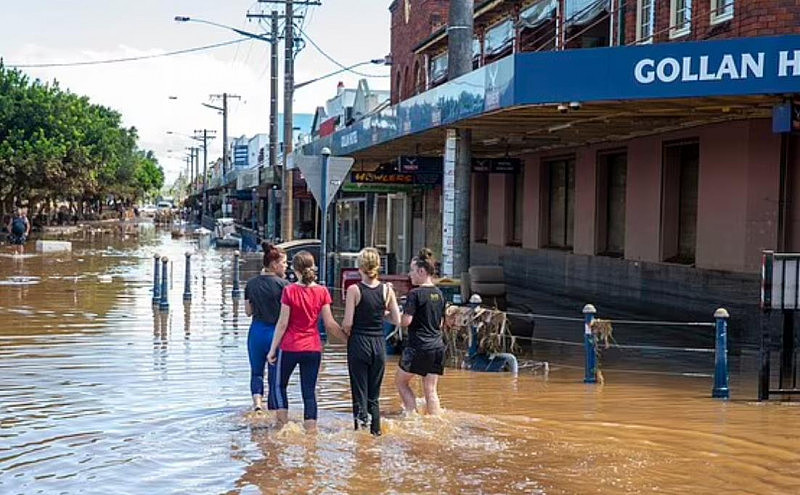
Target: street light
{"points": [[182, 18]]}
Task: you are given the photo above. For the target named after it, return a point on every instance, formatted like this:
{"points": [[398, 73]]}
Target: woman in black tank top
{"points": [[366, 305]]}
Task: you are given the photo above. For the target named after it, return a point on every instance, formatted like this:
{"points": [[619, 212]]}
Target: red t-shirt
{"points": [[306, 303]]}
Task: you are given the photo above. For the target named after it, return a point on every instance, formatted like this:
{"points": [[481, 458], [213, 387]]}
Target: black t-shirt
{"points": [[264, 293], [426, 305]]}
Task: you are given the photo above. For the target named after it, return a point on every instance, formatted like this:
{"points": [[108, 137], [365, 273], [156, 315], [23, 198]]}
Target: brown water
{"points": [[98, 395]]}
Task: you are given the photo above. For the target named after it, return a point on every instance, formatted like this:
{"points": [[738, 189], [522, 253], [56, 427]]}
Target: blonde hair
{"points": [[369, 262]]}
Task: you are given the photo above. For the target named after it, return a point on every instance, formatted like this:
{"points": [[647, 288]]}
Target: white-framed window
{"points": [[721, 10], [645, 10], [680, 18]]}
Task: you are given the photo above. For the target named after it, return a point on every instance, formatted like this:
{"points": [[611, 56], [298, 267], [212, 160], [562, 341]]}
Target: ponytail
{"points": [[426, 261]]}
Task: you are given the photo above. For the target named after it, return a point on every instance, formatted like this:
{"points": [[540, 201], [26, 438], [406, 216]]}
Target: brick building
{"points": [[649, 170]]}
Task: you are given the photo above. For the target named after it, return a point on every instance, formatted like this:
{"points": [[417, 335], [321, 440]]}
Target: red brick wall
{"points": [[750, 18], [405, 36]]}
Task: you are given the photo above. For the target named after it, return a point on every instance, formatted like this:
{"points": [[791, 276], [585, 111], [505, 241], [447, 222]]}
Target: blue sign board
{"points": [[745, 66], [240, 155]]}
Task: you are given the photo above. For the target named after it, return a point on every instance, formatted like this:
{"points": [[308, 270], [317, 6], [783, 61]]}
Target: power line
{"points": [[342, 66], [129, 59]]}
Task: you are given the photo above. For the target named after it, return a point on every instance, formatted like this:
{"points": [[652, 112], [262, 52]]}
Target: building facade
{"points": [[652, 166]]}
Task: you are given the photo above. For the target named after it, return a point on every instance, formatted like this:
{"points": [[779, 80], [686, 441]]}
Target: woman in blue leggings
{"points": [[262, 301]]}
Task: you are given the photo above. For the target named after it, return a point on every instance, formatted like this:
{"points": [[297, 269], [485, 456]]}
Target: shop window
{"points": [[721, 10], [645, 19], [680, 15], [480, 224], [560, 203], [516, 202], [679, 202], [612, 172]]}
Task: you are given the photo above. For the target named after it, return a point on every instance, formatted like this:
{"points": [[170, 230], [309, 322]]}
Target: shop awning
{"points": [[619, 91]]}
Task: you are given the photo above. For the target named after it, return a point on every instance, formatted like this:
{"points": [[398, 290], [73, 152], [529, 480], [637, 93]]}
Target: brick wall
{"points": [[425, 17], [750, 18]]}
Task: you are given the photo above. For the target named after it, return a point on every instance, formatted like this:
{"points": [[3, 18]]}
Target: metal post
{"points": [[156, 280], [721, 390], [187, 283], [287, 200], [236, 293], [766, 348], [164, 304], [590, 371], [323, 252]]}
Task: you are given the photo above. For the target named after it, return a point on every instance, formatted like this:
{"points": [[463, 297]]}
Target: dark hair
{"points": [[303, 263], [424, 259], [271, 253]]}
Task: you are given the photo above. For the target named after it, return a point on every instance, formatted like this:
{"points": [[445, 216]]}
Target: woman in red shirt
{"points": [[297, 339]]}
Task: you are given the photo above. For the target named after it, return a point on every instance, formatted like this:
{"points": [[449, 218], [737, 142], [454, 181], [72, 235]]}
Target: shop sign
{"points": [[414, 164], [394, 178], [497, 165]]}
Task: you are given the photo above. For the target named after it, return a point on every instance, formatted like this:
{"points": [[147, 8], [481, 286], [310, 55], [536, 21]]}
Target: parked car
{"points": [[294, 247], [148, 210]]}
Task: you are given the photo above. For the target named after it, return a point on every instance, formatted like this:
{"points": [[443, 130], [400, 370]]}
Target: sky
{"points": [[60, 31]]}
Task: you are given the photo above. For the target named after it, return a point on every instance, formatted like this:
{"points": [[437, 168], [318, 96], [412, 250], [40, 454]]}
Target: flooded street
{"points": [[100, 395]]}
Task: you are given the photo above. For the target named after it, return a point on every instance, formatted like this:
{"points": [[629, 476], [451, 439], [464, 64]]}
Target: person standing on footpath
{"points": [[262, 301], [366, 305], [297, 339], [19, 229], [423, 314]]}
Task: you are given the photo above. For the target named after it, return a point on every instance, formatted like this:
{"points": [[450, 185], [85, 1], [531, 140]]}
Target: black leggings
{"points": [[366, 361]]}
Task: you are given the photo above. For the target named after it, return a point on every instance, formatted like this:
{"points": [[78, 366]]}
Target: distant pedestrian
{"points": [[424, 355], [19, 229], [262, 301], [297, 339], [366, 305]]}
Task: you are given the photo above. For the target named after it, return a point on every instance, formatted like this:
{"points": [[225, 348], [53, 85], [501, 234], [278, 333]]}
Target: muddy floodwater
{"points": [[100, 395]]}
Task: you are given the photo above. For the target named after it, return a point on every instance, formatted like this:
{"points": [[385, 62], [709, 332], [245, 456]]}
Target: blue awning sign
{"points": [[697, 69]]}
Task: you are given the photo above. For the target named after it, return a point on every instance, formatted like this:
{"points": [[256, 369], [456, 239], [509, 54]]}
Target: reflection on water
{"points": [[101, 394]]}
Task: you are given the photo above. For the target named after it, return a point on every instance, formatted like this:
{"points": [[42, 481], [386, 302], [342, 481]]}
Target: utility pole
{"points": [[459, 47], [287, 179], [224, 109], [204, 135]]}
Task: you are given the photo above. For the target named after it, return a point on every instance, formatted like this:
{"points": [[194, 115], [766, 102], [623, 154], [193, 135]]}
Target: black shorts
{"points": [[17, 240], [421, 362]]}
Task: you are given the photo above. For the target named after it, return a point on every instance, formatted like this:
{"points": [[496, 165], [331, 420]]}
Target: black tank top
{"points": [[368, 316]]}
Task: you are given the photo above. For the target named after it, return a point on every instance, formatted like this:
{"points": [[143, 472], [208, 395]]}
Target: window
{"points": [[480, 225], [516, 202], [561, 203], [680, 18], [612, 171], [679, 202], [644, 21], [721, 10]]}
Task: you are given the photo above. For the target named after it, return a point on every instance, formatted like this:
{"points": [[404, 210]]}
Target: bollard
{"points": [[187, 283], [721, 390], [236, 293], [164, 304], [590, 374], [156, 280]]}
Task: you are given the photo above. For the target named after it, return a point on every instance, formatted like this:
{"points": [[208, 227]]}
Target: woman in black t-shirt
{"points": [[424, 355], [262, 301]]}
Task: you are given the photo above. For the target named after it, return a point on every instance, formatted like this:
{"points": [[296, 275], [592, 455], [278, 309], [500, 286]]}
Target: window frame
{"points": [[640, 21], [686, 23], [717, 18]]}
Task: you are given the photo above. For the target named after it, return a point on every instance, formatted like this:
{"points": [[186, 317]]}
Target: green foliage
{"points": [[57, 145]]}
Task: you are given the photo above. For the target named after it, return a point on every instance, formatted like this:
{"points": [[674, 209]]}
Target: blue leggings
{"points": [[259, 340], [309, 370]]}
